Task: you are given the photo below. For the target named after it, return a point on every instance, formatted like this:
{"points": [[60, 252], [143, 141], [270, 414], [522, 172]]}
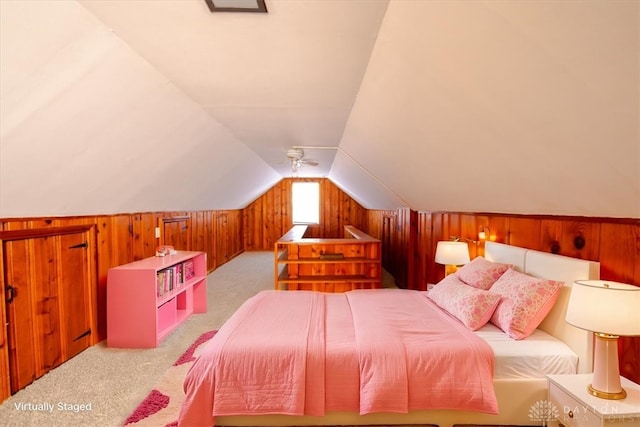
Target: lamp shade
{"points": [[605, 307], [452, 253]]}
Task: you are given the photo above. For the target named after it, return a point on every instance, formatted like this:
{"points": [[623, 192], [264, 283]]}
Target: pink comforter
{"points": [[304, 353]]}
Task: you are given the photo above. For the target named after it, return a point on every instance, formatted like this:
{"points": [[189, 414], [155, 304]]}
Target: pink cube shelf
{"points": [[150, 298]]}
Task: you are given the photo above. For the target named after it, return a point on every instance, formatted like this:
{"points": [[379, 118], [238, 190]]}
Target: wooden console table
{"points": [[327, 265]]}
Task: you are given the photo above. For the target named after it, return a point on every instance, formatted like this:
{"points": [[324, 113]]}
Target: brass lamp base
{"points": [[450, 269], [606, 395]]}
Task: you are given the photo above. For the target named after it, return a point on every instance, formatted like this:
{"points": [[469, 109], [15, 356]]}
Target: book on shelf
{"points": [[165, 281], [175, 276], [160, 282], [188, 270], [179, 275]]}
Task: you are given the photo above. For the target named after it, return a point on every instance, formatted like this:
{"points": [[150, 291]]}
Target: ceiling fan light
{"points": [[295, 154], [295, 164]]}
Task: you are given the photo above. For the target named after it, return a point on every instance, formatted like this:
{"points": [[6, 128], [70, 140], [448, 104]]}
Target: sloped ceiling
{"points": [[144, 105], [525, 107]]}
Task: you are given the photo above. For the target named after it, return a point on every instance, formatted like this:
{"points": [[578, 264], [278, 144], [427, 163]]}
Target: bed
{"points": [[337, 370]]}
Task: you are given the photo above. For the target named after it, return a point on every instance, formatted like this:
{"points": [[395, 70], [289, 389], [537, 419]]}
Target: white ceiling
{"points": [[477, 106]]}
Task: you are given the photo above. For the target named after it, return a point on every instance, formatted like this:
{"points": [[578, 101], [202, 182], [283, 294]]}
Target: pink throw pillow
{"points": [[472, 306], [481, 273], [525, 302]]}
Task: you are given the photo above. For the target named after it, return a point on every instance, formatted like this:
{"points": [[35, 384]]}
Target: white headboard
{"points": [[556, 267]]}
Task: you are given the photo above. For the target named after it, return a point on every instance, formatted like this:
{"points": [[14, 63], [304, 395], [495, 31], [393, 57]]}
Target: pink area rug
{"points": [[161, 407]]}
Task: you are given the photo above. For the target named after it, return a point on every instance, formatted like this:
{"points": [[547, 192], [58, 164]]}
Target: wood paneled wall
{"points": [[269, 216], [398, 232], [408, 239], [124, 238], [615, 243]]}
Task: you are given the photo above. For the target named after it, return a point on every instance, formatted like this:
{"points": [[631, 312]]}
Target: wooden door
{"points": [[223, 240], [47, 303], [75, 296], [175, 231], [33, 316]]}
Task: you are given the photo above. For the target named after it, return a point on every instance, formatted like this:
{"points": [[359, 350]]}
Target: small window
{"points": [[305, 200]]}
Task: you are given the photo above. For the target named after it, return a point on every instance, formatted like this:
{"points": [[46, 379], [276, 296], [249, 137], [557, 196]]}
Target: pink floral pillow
{"points": [[481, 273], [525, 302], [472, 306]]}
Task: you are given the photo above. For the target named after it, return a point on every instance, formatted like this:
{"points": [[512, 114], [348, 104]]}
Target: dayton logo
{"points": [[543, 411]]}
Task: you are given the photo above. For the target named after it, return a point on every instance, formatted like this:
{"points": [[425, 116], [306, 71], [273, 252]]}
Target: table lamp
{"points": [[609, 310], [452, 254]]}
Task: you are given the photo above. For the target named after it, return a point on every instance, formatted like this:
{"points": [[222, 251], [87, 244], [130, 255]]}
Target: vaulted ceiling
{"points": [[475, 106]]}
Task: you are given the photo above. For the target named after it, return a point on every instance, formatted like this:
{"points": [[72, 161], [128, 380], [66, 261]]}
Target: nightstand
{"points": [[577, 408]]}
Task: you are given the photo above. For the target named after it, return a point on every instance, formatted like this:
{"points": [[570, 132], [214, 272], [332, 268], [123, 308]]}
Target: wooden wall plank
{"points": [[469, 233], [269, 227], [45, 296], [197, 230], [285, 207], [373, 223], [114, 247], [21, 350], [144, 235], [550, 236], [619, 252], [412, 238], [498, 228], [269, 217], [210, 247], [524, 232], [576, 233]]}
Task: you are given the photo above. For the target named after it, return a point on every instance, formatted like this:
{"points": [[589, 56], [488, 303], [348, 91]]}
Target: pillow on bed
{"points": [[481, 273], [525, 302], [472, 306]]}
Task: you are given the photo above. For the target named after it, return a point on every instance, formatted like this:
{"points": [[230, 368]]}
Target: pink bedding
{"points": [[307, 353]]}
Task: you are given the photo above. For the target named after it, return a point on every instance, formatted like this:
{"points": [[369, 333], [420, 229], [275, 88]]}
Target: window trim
{"points": [[311, 224]]}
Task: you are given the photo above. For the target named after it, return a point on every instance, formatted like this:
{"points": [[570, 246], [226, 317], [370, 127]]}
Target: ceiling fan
{"points": [[296, 159]]}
